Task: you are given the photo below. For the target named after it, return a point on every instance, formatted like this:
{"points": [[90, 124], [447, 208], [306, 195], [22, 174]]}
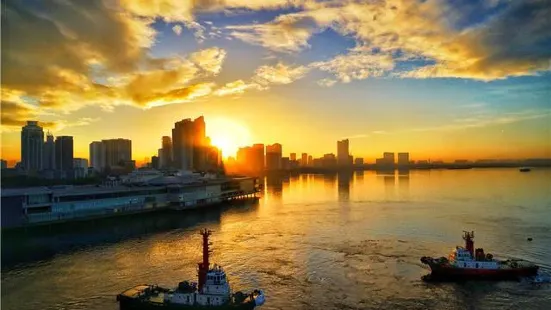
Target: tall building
{"points": [[97, 155], [343, 154], [359, 161], [200, 145], [403, 159], [285, 163], [273, 156], [64, 153], [118, 152], [80, 166], [165, 153], [49, 153], [257, 161], [293, 156], [329, 160], [32, 145], [182, 144], [310, 161], [304, 160], [155, 162], [388, 158]]}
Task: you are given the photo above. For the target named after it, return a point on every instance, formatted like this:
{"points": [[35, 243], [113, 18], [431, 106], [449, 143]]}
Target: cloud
{"points": [[287, 33], [326, 82], [434, 38], [177, 29], [184, 94], [184, 10], [237, 87], [356, 66], [279, 74], [210, 59]]}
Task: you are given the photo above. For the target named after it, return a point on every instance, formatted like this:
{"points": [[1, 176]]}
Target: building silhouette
{"points": [[97, 156], [165, 152], [343, 153], [257, 160], [80, 167], [304, 160], [293, 156], [64, 154], [155, 162], [310, 161], [3, 164], [329, 160], [32, 145], [359, 161], [273, 156], [182, 144], [200, 145], [118, 152], [49, 153], [403, 159]]}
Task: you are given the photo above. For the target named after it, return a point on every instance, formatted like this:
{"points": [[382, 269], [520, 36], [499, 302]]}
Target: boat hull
{"points": [[441, 271], [136, 304]]}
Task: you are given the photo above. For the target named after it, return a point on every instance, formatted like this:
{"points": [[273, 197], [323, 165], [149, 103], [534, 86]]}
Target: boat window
{"points": [[464, 264], [476, 265]]}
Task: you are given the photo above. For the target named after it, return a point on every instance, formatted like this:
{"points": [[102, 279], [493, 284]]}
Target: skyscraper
{"points": [[388, 158], [118, 152], [200, 146], [273, 156], [304, 160], [403, 159], [310, 161], [257, 161], [49, 153], [64, 153], [343, 154], [80, 166], [293, 156], [182, 144], [97, 155], [32, 144], [165, 153]]}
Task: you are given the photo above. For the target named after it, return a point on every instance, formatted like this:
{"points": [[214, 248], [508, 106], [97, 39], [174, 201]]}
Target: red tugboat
{"points": [[466, 263], [212, 292]]}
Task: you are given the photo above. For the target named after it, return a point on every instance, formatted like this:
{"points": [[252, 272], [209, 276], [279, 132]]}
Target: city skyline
{"points": [[316, 72]]}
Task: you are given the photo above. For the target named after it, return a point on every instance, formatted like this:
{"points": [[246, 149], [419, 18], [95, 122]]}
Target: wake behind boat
{"points": [[470, 264], [212, 292]]}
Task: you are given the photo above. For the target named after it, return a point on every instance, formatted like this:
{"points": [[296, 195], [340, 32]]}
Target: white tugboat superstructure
{"points": [[212, 291]]}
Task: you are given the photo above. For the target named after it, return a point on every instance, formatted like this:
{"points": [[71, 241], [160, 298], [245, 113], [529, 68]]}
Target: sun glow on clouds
{"points": [[228, 135]]}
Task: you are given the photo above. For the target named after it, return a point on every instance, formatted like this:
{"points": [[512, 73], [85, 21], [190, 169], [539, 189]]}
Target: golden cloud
{"points": [[209, 59], [279, 74], [424, 30], [287, 33], [237, 87], [356, 66]]}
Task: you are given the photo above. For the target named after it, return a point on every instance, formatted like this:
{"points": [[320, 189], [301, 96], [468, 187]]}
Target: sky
{"points": [[439, 79]]}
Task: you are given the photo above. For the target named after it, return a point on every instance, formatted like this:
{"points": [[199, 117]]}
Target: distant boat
{"points": [[524, 169]]}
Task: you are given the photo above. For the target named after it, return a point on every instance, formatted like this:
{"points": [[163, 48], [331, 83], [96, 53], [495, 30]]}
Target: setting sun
{"points": [[228, 135]]}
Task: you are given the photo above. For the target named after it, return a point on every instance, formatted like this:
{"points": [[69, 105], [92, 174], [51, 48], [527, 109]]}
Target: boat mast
{"points": [[469, 243], [205, 264]]}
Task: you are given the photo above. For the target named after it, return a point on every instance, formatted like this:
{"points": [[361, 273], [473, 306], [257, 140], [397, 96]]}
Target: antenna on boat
{"points": [[205, 264], [469, 243]]}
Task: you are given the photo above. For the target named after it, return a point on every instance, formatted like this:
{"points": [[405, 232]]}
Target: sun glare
{"points": [[228, 135]]}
